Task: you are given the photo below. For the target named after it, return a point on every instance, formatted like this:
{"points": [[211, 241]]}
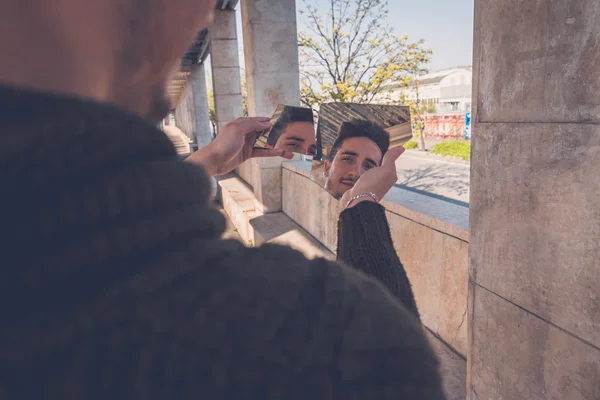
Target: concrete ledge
{"points": [[428, 210], [300, 167], [445, 216], [279, 228], [432, 248], [255, 229], [238, 201]]}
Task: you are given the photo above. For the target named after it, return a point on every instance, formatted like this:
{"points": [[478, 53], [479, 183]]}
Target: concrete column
{"points": [[273, 78], [197, 83], [226, 68], [183, 116], [534, 302]]}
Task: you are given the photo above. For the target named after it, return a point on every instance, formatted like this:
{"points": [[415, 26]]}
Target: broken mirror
{"points": [[353, 138], [292, 129]]}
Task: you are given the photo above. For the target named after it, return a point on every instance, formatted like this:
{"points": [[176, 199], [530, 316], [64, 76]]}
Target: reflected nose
{"points": [[355, 172]]}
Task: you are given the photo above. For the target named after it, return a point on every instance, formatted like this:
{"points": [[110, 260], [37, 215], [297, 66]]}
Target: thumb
{"points": [[392, 155]]}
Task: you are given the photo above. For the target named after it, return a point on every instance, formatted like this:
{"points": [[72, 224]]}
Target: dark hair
{"points": [[288, 115], [361, 128]]}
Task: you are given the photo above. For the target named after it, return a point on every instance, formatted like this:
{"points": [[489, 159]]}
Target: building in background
{"points": [[442, 92]]}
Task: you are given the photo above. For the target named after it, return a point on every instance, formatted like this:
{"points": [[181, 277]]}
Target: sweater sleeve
{"points": [[365, 243]]}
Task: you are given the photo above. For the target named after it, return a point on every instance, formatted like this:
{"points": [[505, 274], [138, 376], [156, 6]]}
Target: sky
{"points": [[446, 26]]}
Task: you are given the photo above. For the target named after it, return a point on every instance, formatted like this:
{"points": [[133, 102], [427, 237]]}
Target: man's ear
{"points": [[327, 168]]}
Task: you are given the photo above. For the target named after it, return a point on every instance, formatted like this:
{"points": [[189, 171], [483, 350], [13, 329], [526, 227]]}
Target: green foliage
{"points": [[211, 100], [431, 108], [350, 54], [411, 145], [244, 94], [460, 149]]}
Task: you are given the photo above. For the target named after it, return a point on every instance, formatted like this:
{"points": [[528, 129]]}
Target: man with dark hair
{"points": [[294, 131], [360, 146], [115, 281]]}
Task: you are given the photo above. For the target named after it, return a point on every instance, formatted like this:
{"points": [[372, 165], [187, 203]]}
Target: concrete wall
{"points": [[191, 114], [185, 112], [534, 320], [202, 126], [433, 250], [225, 63], [431, 238]]}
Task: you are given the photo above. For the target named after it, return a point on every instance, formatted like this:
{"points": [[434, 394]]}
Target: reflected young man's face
{"points": [[356, 156], [298, 137]]}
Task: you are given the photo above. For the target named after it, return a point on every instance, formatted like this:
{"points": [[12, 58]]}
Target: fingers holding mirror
{"points": [[353, 139], [292, 130]]}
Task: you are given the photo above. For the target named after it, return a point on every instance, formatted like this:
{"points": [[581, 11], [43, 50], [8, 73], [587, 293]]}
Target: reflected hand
{"points": [[235, 144], [378, 180]]}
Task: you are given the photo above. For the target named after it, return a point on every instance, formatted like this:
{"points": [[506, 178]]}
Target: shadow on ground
{"points": [[447, 180]]}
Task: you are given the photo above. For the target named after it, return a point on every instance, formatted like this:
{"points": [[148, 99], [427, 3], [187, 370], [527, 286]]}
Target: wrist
{"points": [[359, 198], [206, 159]]}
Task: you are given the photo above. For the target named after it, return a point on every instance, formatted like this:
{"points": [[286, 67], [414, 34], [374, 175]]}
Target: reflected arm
{"points": [[365, 243]]}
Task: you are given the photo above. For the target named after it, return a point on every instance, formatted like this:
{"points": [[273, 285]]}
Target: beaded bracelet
{"points": [[358, 196]]}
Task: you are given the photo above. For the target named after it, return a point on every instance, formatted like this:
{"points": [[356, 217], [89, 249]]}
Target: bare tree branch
{"points": [[353, 56]]}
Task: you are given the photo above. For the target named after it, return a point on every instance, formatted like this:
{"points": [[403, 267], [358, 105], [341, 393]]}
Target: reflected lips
{"points": [[348, 183]]}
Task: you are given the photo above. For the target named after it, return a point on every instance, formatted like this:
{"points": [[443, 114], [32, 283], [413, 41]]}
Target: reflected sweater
{"points": [[116, 283]]}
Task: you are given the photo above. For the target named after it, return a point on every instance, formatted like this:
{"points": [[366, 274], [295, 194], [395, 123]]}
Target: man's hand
{"points": [[378, 180], [234, 145]]}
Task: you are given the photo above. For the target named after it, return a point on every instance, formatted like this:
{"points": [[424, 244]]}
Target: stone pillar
{"points": [[273, 78], [197, 83], [183, 112], [534, 302], [225, 61]]}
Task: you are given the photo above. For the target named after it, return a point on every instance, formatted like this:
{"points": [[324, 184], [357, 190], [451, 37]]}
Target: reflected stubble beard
{"points": [[331, 190]]}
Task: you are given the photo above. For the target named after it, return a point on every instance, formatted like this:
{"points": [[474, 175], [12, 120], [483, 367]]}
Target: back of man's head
{"points": [[361, 128], [122, 52]]}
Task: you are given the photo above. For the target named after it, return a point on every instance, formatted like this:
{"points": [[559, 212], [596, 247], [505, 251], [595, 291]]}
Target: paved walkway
{"points": [[430, 174]]}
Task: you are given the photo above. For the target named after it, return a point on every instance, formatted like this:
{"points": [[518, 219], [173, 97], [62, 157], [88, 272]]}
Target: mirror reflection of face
{"points": [[298, 137], [355, 156]]}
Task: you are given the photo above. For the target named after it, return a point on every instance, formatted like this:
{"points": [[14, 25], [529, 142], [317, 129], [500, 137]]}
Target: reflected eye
{"points": [[369, 166]]}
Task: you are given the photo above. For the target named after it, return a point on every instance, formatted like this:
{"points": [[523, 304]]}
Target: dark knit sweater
{"points": [[365, 243], [116, 285]]}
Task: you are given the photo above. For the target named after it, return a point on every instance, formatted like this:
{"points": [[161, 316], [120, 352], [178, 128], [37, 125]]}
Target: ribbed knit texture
{"points": [[365, 243], [116, 285]]}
